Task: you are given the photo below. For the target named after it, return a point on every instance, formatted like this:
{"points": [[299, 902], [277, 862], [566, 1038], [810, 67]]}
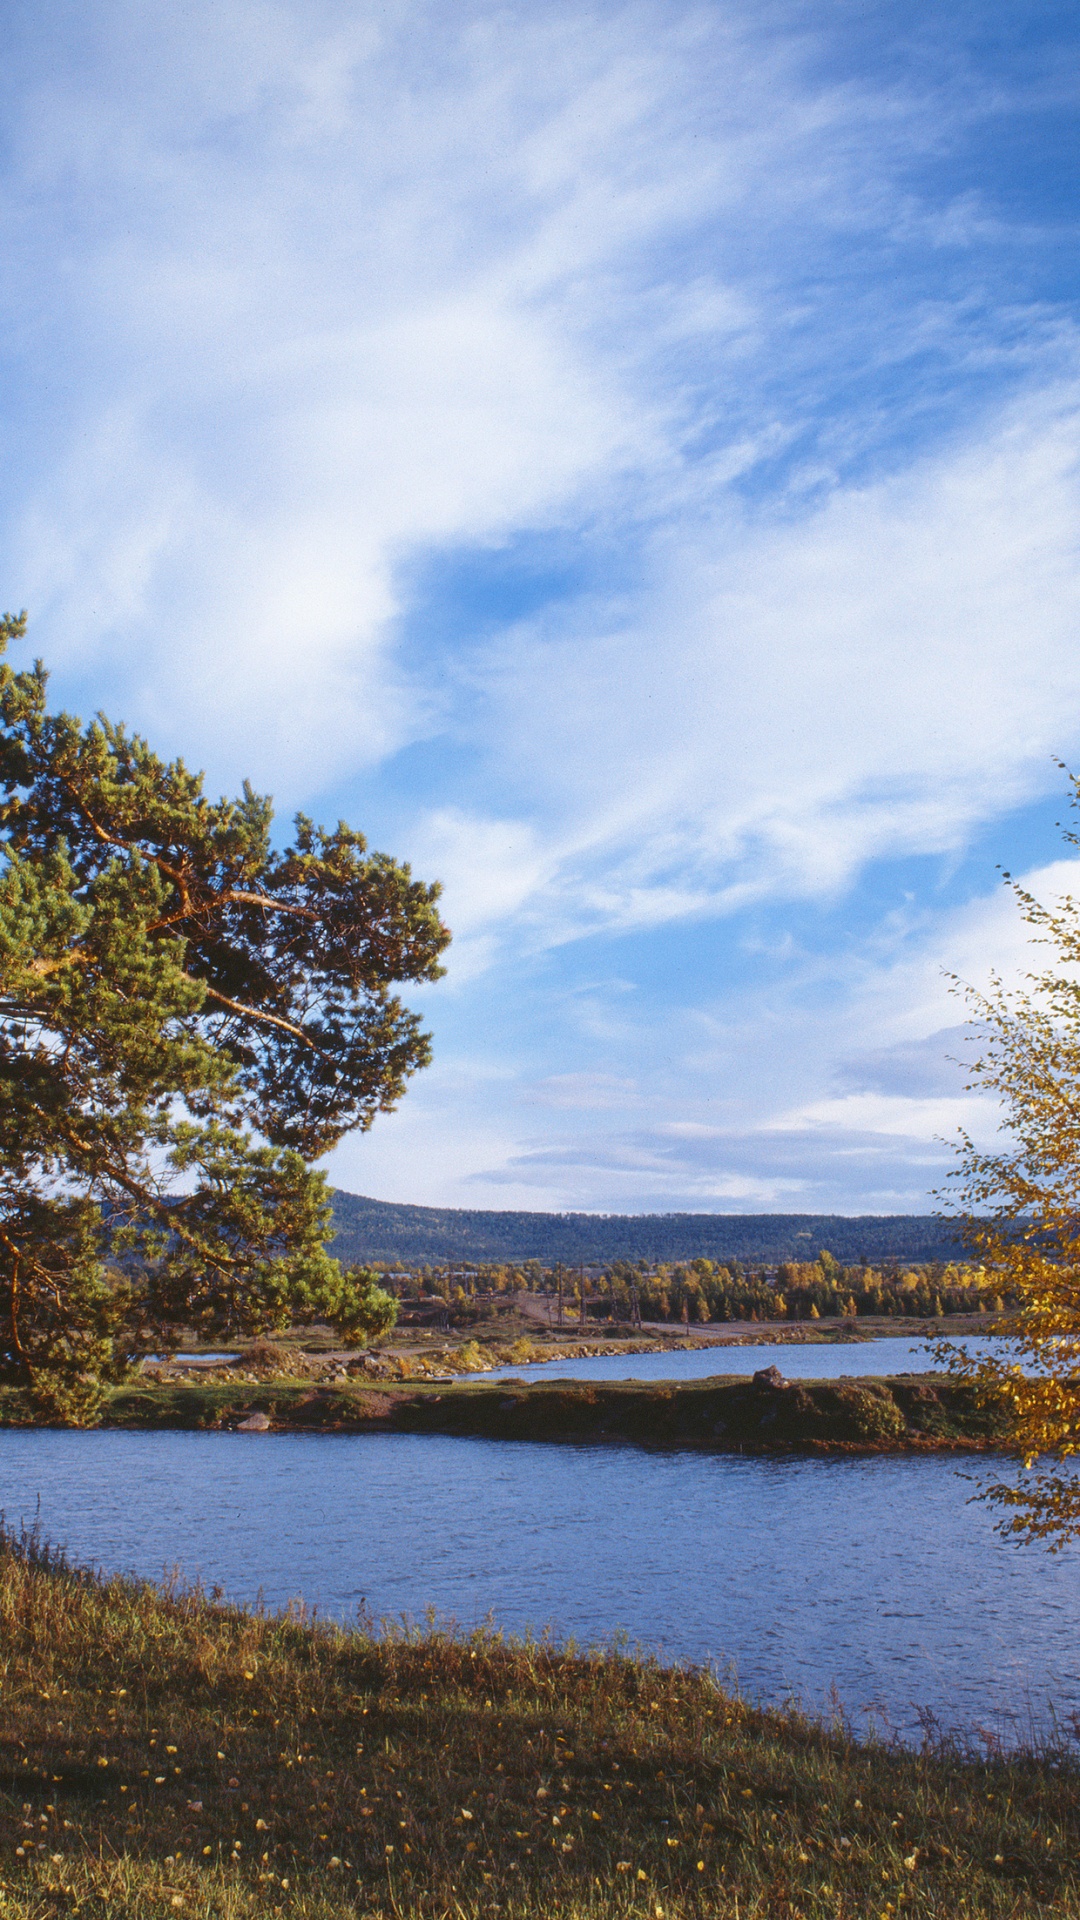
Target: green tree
{"points": [[188, 1016]]}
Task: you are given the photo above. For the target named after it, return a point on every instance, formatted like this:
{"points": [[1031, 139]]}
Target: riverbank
{"points": [[763, 1415], [412, 1353], [163, 1755]]}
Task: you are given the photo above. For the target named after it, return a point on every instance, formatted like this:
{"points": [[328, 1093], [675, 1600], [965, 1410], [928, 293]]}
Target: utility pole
{"points": [[583, 1294], [558, 1273]]}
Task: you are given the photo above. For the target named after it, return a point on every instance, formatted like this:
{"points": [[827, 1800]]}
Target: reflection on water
{"points": [[874, 1576]]}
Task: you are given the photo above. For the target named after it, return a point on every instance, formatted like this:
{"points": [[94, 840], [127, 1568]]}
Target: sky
{"points": [[624, 458]]}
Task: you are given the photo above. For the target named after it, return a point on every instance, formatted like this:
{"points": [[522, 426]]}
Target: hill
{"points": [[382, 1230]]}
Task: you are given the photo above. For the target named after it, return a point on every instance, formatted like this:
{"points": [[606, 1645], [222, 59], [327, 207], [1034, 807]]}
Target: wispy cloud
{"points": [[870, 679], [831, 1169], [913, 1069]]}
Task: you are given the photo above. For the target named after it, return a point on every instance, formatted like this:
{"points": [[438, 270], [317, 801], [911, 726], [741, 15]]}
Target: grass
{"points": [[906, 1414], [163, 1754]]}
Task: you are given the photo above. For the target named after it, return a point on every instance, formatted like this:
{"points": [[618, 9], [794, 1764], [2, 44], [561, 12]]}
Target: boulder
{"points": [[769, 1377], [255, 1423]]}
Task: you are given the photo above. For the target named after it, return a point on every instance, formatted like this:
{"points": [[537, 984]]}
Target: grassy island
{"points": [[160, 1754], [916, 1413]]}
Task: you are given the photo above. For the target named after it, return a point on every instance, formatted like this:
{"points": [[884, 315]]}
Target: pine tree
{"points": [[188, 1016]]}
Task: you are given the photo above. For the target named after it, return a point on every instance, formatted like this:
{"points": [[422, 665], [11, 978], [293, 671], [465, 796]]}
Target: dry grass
{"points": [[161, 1754]]}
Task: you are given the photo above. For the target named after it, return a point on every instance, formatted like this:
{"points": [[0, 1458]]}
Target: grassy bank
{"points": [[162, 1755], [916, 1413]]}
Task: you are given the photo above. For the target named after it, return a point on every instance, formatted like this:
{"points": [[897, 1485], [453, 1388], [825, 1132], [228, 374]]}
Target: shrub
{"points": [[873, 1416]]}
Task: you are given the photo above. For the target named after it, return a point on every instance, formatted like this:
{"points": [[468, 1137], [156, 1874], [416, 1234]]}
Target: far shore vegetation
{"points": [[694, 1293], [380, 1232], [163, 1754]]}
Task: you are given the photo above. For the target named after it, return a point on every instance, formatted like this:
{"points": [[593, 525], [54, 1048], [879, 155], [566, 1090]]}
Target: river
{"points": [[812, 1361], [871, 1580]]}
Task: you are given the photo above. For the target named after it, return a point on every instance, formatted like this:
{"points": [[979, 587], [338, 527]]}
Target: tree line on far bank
{"points": [[706, 1292]]}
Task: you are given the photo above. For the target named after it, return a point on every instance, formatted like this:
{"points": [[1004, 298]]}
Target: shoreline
{"points": [[900, 1414], [476, 1357]]}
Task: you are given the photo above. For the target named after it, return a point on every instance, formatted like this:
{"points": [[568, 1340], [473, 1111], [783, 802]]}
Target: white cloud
{"points": [[869, 679], [311, 345], [917, 990], [349, 283], [433, 1149], [827, 1085]]}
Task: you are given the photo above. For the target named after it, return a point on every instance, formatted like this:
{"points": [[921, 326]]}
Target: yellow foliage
{"points": [[523, 1351], [470, 1358], [1022, 1218]]}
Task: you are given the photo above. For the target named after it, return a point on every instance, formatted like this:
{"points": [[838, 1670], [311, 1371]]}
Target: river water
{"points": [[826, 1361], [873, 1581]]}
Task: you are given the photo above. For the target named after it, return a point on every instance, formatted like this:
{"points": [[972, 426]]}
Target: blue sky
{"points": [[624, 458]]}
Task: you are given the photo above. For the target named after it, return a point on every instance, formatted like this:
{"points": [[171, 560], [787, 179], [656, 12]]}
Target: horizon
{"points": [[390, 1232], [672, 1213]]}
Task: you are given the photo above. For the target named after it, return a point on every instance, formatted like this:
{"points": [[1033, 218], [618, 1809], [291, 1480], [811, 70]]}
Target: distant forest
{"points": [[381, 1231]]}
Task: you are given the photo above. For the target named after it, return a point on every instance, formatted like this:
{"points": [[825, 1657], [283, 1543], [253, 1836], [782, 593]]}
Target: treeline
{"points": [[701, 1292], [368, 1231]]}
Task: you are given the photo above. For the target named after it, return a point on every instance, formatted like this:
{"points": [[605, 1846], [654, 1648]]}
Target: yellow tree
{"points": [[1021, 1216]]}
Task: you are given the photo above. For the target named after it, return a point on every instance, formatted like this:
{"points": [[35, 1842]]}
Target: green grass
{"points": [[916, 1413], [162, 1754]]}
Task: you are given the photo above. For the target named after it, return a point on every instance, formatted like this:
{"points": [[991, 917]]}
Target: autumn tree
{"points": [[1021, 1216], [189, 1015]]}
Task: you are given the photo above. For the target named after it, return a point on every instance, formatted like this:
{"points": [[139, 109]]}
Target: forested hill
{"points": [[380, 1230]]}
